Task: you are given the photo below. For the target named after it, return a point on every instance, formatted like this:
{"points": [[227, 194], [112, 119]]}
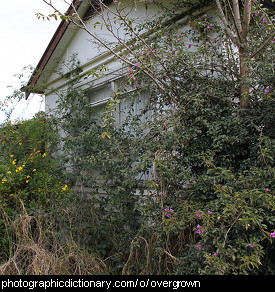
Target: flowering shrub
{"points": [[233, 234], [27, 167], [169, 214], [28, 172], [212, 160]]}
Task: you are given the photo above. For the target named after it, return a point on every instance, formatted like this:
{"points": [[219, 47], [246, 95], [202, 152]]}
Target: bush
{"points": [[191, 157], [35, 205]]}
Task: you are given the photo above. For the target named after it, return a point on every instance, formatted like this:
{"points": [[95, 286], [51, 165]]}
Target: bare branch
{"points": [[265, 43], [78, 21], [247, 16], [228, 30], [237, 16]]}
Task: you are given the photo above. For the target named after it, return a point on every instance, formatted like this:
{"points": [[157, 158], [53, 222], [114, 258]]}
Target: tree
{"points": [[237, 25]]}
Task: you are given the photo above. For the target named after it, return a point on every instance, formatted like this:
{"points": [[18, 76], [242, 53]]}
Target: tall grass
{"points": [[36, 249]]}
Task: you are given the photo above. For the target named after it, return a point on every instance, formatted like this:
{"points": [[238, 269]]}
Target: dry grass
{"points": [[36, 250]]}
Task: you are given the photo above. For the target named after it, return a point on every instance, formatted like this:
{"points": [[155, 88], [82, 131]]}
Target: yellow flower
{"points": [[44, 155], [19, 168], [27, 181], [64, 188], [14, 161], [34, 169], [8, 171], [11, 155]]}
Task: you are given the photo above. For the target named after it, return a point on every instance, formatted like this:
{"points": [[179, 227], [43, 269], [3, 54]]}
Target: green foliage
{"points": [[184, 186], [28, 172], [27, 168], [197, 159]]}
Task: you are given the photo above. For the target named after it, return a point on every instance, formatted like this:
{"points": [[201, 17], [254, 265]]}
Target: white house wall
{"points": [[83, 44], [90, 54]]}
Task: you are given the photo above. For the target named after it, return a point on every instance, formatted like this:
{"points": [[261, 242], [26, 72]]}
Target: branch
{"points": [[225, 238], [229, 32], [78, 21], [139, 37], [237, 16], [234, 22], [266, 43], [247, 16]]}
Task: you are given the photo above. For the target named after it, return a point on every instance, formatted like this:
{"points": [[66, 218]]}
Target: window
{"points": [[132, 101]]}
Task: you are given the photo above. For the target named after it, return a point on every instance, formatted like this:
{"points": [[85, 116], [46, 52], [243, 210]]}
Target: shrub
{"points": [[198, 153]]}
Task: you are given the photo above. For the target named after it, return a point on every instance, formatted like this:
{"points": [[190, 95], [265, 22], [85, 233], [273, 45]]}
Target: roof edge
{"points": [[61, 29]]}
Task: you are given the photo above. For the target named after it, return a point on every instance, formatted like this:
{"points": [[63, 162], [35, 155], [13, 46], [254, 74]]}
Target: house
{"points": [[98, 39]]}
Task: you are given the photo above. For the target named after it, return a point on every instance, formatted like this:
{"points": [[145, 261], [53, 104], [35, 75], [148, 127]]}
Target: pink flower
{"points": [[209, 212], [264, 20], [272, 234], [266, 91], [199, 246], [198, 231], [249, 5], [198, 226], [215, 254], [197, 214], [190, 45], [137, 64], [252, 245], [267, 189], [256, 13]]}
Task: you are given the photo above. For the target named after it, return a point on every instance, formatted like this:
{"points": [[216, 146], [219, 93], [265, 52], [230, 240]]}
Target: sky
{"points": [[23, 40]]}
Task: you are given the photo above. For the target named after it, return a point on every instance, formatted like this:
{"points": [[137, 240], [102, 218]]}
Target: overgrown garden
{"points": [[186, 182]]}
